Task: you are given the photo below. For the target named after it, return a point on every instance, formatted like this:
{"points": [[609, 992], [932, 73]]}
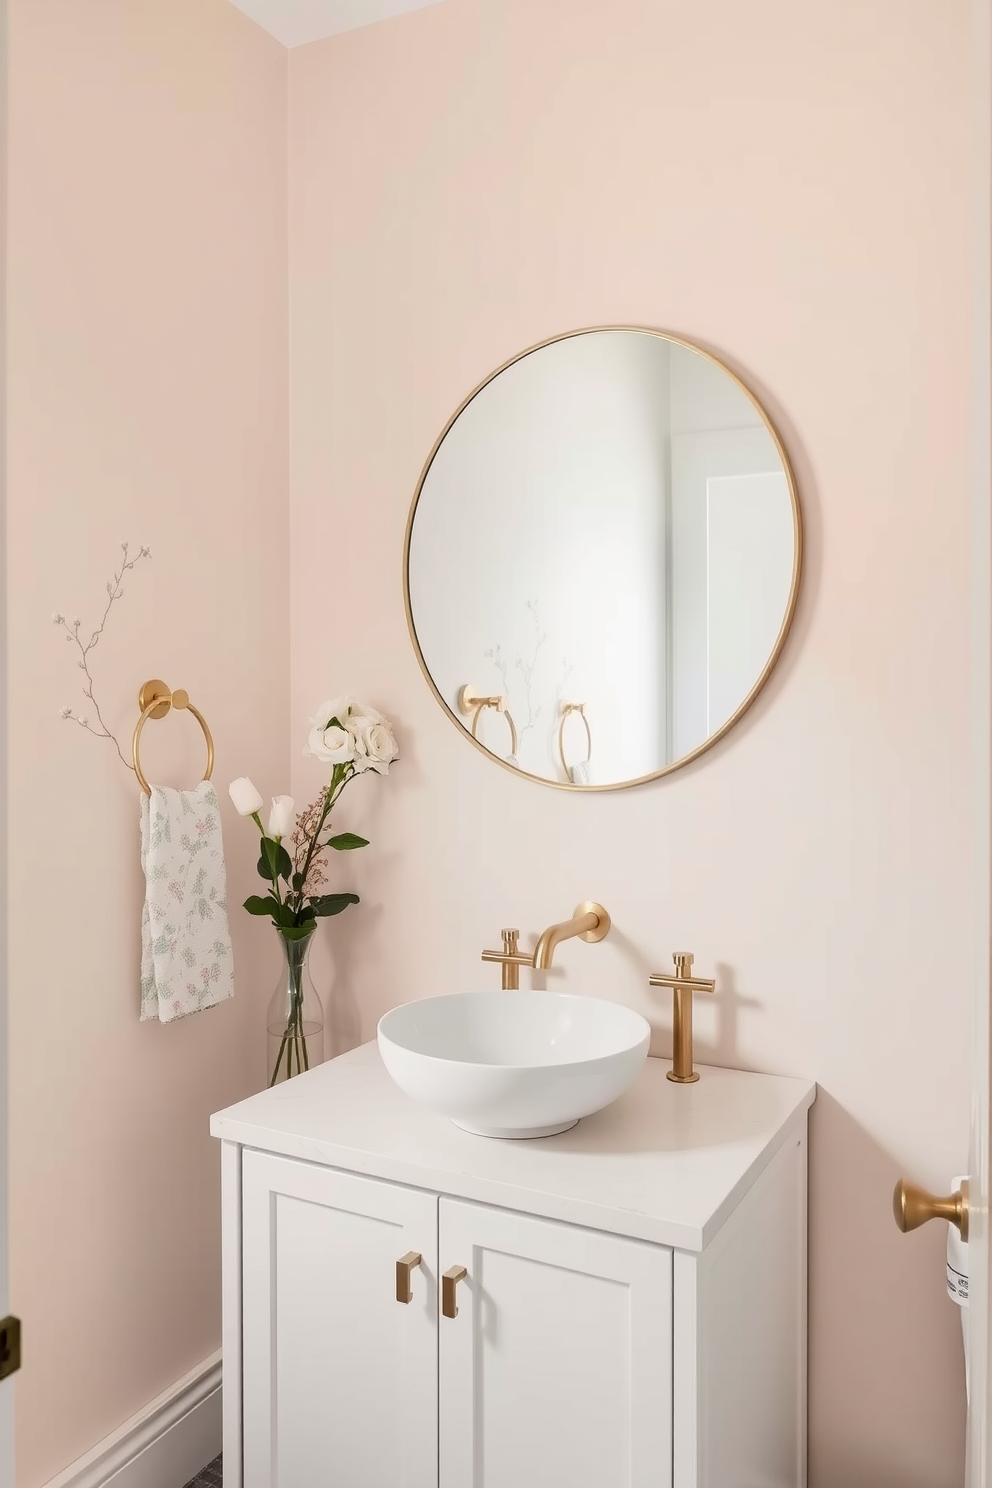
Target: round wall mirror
{"points": [[603, 558]]}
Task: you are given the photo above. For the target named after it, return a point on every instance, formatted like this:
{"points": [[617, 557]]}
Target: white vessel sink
{"points": [[513, 1064]]}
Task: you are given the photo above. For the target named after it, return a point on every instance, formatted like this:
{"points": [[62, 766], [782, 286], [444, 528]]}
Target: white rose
{"points": [[363, 711], [338, 708], [358, 726], [333, 745], [281, 816], [360, 721], [377, 747], [246, 798]]}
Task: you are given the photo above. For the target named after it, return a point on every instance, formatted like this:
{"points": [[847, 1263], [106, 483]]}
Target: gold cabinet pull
{"points": [[913, 1206], [449, 1281], [404, 1275]]}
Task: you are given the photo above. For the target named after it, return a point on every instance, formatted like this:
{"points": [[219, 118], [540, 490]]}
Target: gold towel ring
{"points": [[154, 701], [470, 701], [566, 709]]}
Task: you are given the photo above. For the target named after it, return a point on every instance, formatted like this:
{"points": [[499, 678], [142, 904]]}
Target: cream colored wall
{"points": [[148, 401], [790, 186]]}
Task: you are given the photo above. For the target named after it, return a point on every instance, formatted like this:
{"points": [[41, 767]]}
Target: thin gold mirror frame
{"points": [[790, 610]]}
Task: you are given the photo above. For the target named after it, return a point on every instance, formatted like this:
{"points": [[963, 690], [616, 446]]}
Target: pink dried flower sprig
{"points": [[306, 828]]}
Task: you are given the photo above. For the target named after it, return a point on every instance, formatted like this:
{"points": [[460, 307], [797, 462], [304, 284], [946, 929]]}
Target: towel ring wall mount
{"points": [[155, 700], [470, 701]]}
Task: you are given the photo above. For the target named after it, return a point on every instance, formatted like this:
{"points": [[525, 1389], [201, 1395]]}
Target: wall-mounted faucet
{"points": [[589, 922]]}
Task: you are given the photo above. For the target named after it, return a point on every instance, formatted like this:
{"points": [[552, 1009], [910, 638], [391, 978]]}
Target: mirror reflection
{"points": [[603, 558]]}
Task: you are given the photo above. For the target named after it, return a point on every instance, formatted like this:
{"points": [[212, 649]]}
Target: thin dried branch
{"points": [[526, 666], [84, 648]]}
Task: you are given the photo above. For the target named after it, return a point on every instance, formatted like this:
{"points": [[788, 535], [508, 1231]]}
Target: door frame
{"points": [[979, 1449], [7, 1388]]}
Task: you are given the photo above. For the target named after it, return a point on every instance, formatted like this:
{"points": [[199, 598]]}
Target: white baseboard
{"points": [[164, 1445]]}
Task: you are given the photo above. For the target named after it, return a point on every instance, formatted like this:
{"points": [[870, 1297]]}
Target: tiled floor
{"points": [[210, 1477]]}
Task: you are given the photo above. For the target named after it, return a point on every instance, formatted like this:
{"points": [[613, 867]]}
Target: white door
{"points": [[339, 1376], [731, 556], [749, 557], [557, 1369]]}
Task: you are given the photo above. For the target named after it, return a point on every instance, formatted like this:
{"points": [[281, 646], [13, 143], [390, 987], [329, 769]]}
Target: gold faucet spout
{"points": [[590, 922]]}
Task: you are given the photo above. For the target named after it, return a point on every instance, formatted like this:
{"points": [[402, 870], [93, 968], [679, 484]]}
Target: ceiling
{"points": [[295, 22]]}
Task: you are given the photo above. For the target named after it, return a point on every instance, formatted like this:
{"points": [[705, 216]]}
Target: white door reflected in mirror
{"points": [[606, 538]]}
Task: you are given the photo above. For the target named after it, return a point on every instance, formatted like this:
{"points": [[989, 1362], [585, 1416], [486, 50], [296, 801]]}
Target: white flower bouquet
{"points": [[352, 738]]}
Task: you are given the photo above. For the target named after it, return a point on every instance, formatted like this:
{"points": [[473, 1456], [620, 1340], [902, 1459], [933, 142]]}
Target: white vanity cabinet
{"points": [[631, 1314]]}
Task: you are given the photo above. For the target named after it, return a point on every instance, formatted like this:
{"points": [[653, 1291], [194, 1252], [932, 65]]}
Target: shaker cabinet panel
{"points": [[339, 1377], [557, 1368]]}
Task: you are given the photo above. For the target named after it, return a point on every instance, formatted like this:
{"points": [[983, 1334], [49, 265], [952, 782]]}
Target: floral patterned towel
{"points": [[186, 958]]}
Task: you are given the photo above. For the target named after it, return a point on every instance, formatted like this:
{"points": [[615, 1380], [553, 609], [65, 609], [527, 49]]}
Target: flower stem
{"points": [[339, 779], [282, 1046], [294, 1037]]}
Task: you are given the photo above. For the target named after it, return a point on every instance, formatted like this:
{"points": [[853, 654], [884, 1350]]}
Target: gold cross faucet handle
{"points": [[511, 958], [683, 978], [683, 984]]}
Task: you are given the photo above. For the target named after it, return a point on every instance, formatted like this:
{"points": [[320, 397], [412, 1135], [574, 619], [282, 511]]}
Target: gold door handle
{"points": [[404, 1275], [913, 1206], [449, 1281]]}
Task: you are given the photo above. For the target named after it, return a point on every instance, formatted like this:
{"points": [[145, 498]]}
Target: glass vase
{"points": [[295, 1020]]}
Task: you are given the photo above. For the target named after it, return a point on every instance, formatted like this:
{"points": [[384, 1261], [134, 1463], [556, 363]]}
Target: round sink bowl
{"points": [[513, 1064]]}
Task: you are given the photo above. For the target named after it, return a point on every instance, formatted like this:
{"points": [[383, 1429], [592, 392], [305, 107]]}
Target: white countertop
{"points": [[665, 1163]]}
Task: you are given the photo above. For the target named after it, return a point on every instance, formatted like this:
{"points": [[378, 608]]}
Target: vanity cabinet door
{"points": [[339, 1378], [557, 1368]]}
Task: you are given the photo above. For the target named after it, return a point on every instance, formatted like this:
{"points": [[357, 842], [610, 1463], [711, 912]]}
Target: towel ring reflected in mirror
{"points": [[470, 701], [579, 709], [154, 701], [615, 503]]}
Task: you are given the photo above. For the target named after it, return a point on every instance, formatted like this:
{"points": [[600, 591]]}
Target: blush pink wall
{"points": [[788, 185], [148, 401]]}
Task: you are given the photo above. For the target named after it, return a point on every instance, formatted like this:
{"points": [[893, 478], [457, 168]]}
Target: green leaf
{"points": [[297, 882], [282, 915], [296, 932], [275, 861], [332, 904], [346, 842], [256, 905]]}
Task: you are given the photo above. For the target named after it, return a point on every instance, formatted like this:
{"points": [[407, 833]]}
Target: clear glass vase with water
{"points": [[295, 1020]]}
